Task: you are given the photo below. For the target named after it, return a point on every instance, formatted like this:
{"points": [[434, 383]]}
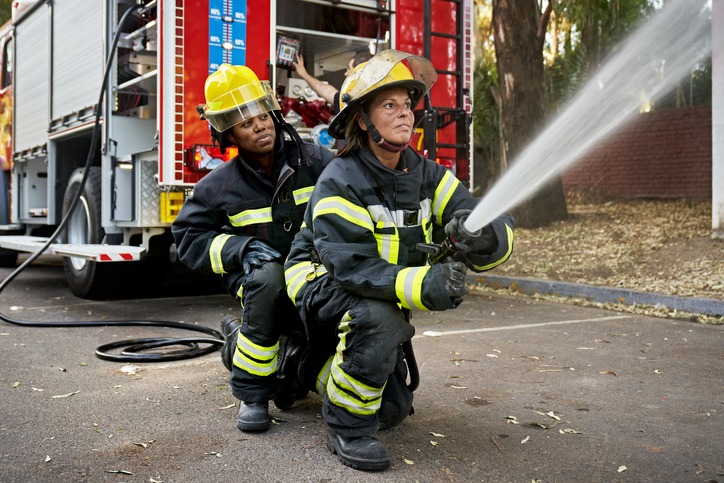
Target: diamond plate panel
{"points": [[150, 203]]}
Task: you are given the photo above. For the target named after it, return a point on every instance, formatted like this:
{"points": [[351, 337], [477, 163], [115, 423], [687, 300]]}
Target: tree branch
{"points": [[543, 24]]}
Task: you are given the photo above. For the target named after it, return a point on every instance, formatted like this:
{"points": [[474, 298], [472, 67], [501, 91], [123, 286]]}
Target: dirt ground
{"points": [[652, 246]]}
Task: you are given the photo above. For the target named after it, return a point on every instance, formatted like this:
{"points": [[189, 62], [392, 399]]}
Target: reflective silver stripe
{"points": [[408, 287], [489, 266], [251, 217], [443, 193], [380, 213], [336, 205], [323, 377], [255, 359], [217, 264], [299, 274], [302, 195]]}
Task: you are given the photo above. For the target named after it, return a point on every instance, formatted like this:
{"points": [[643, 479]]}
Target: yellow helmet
{"points": [[384, 70], [234, 94]]}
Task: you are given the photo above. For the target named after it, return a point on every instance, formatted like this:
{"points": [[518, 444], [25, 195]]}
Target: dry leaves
{"points": [[662, 247]]}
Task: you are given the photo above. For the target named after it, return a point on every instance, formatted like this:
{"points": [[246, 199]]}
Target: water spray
{"points": [[649, 64]]}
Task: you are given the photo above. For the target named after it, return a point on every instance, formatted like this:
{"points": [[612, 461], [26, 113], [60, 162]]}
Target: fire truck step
{"points": [[96, 253]]}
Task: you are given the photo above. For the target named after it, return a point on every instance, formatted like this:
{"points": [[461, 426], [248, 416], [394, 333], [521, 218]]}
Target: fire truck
{"points": [[152, 145]]}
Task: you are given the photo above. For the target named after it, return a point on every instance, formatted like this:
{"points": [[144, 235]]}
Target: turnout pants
{"points": [[266, 313], [365, 385]]}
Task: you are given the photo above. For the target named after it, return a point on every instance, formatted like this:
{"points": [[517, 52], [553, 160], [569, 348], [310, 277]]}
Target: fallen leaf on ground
{"points": [[59, 396], [609, 373], [525, 440], [408, 462]]}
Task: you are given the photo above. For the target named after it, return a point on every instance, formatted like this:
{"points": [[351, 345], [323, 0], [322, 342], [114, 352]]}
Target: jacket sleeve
{"points": [[451, 196], [203, 240], [481, 262]]}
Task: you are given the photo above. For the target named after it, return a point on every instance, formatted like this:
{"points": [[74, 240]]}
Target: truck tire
{"points": [[86, 279]]}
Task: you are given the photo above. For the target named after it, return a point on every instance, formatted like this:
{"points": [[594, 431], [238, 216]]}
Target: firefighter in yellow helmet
{"points": [[355, 266], [239, 223]]}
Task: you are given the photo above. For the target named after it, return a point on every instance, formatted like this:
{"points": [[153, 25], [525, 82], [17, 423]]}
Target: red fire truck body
{"points": [[153, 145]]}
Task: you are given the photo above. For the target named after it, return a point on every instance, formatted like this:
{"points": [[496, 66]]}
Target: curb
{"points": [[531, 286]]}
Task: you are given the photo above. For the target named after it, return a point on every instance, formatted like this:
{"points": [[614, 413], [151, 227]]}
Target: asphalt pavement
{"points": [[512, 389]]}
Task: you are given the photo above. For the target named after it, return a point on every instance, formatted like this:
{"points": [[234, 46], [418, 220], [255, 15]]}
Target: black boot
{"points": [[253, 416], [361, 453], [230, 328], [290, 387]]}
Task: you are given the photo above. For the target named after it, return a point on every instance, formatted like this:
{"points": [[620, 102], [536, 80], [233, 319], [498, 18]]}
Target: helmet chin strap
{"points": [[304, 158], [378, 139]]}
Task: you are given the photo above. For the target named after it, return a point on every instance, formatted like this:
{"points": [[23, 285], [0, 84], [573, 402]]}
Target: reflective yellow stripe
{"points": [[251, 217], [302, 195], [336, 205], [217, 265], [255, 359], [408, 287], [425, 219], [345, 391], [388, 245], [443, 193], [323, 377], [345, 381], [299, 274], [482, 268]]}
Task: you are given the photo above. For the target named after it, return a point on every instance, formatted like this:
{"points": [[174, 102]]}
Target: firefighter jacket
{"points": [[235, 204], [363, 224]]}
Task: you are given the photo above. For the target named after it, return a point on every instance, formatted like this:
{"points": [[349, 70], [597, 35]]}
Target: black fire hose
{"points": [[135, 349], [412, 369]]}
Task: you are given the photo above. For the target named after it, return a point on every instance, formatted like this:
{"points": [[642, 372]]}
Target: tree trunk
{"points": [[519, 50]]}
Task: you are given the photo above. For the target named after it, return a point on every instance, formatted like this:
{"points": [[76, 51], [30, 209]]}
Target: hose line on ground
{"points": [[136, 350]]}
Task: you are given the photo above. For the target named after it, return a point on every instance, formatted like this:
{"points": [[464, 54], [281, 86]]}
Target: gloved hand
{"points": [[454, 275], [255, 254], [481, 241]]}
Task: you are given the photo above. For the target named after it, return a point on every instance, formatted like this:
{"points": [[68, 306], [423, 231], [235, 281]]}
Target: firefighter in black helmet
{"points": [[354, 265], [239, 223]]}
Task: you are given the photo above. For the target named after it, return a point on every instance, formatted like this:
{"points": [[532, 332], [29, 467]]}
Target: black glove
{"points": [[481, 241], [454, 275], [255, 254]]}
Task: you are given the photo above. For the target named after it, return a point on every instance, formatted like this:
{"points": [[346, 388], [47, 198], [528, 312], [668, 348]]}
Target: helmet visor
{"points": [[239, 104]]}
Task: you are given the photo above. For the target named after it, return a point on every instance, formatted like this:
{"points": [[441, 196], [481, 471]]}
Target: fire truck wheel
{"points": [[87, 279]]}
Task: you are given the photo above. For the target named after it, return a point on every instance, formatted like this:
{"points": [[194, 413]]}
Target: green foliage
{"points": [[5, 10], [580, 35]]}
